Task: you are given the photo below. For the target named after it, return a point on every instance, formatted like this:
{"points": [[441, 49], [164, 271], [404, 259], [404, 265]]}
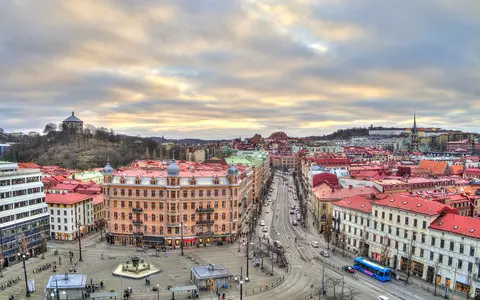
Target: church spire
{"points": [[414, 130]]}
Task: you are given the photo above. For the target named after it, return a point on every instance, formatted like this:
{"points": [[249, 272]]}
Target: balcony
{"points": [[205, 210], [205, 222], [137, 210], [137, 222]]}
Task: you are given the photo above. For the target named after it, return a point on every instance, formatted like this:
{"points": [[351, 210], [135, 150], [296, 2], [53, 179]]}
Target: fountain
{"points": [[136, 268]]}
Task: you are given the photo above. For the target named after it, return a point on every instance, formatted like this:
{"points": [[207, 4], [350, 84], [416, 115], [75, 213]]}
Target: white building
{"points": [[455, 250], [386, 132], [352, 216], [69, 214], [24, 222]]}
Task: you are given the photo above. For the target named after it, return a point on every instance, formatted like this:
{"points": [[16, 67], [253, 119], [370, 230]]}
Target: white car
{"points": [[267, 211], [265, 229], [262, 223], [315, 244], [382, 298]]}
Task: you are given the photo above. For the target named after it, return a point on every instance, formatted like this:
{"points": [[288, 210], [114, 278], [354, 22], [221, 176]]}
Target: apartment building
{"points": [[160, 207], [24, 223], [71, 214]]}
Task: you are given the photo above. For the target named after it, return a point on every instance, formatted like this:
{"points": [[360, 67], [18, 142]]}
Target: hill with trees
{"points": [[91, 149]]}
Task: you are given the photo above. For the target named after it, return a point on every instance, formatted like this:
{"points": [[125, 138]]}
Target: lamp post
{"points": [[79, 243], [248, 243], [25, 273], [181, 237], [158, 292], [241, 289]]}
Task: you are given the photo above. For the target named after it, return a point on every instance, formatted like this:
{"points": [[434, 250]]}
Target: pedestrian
{"points": [[223, 296]]}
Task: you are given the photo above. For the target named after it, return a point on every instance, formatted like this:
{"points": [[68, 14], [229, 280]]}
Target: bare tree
{"points": [[89, 130], [409, 261], [50, 127], [327, 232], [343, 241], [437, 266], [22, 243], [362, 251], [353, 293], [43, 240], [385, 251], [334, 282]]}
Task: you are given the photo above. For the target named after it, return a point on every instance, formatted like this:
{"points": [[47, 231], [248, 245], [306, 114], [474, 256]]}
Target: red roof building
{"points": [[68, 198], [359, 203], [328, 177], [435, 167], [461, 225], [415, 205]]}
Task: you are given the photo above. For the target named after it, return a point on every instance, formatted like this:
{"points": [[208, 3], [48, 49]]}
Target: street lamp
{"points": [[241, 289], [79, 243], [65, 295], [158, 292], [25, 273]]}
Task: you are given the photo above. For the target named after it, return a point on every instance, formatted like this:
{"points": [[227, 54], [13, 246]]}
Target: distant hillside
{"points": [[85, 151], [343, 134], [188, 141]]}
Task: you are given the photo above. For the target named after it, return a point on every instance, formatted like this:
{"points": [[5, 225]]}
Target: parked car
{"points": [[315, 244], [292, 212], [292, 207], [277, 244], [382, 298], [299, 217], [262, 223], [294, 223], [324, 253], [265, 229], [349, 269]]}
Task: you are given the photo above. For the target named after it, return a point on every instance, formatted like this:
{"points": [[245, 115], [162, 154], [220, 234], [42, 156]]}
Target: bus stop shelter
{"points": [[184, 289], [210, 276]]}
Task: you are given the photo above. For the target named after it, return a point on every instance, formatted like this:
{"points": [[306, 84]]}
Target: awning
{"points": [[462, 279], [189, 240], [160, 239]]}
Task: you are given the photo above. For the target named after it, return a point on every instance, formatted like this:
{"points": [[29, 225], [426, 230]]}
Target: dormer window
{"points": [[153, 180], [193, 181], [137, 180], [123, 180]]}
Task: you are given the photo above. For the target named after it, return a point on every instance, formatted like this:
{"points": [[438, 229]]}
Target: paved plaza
{"points": [[175, 269]]}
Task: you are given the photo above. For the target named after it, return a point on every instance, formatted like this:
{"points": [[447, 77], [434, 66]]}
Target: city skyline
{"points": [[225, 69]]}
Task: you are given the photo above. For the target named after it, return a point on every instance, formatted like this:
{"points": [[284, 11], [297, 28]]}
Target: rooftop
{"points": [[207, 272], [68, 198], [73, 119], [358, 202], [462, 225], [414, 204], [72, 281]]}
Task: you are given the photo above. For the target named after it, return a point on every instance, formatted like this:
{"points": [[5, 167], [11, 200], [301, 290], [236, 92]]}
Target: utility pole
{"points": [[248, 249], [79, 242], [181, 237], [323, 279], [261, 253]]}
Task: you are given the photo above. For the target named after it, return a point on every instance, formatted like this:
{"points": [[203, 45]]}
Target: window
{"points": [[145, 205], [460, 264], [383, 215], [376, 213], [472, 251], [406, 220], [442, 243], [452, 245], [421, 253], [470, 265], [185, 194], [382, 227], [145, 193], [404, 247], [432, 241], [390, 216], [153, 217], [192, 205], [440, 258], [415, 222], [423, 238], [185, 205], [160, 206], [424, 225], [398, 219], [450, 261], [153, 205], [405, 234], [192, 217], [461, 248], [431, 255], [374, 224], [160, 218], [398, 231]]}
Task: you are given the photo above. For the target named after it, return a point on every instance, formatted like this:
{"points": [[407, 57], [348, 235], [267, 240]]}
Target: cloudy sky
{"points": [[230, 68]]}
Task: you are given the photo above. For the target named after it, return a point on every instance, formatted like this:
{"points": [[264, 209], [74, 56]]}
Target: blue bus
{"points": [[372, 269]]}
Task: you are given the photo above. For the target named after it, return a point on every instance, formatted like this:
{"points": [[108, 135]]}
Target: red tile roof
{"points": [[462, 225], [68, 198], [329, 177], [325, 192], [436, 167], [97, 199], [472, 171], [356, 202], [65, 187], [28, 165], [456, 169], [416, 205]]}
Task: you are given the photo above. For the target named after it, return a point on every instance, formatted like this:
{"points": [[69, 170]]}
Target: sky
{"points": [[227, 68]]}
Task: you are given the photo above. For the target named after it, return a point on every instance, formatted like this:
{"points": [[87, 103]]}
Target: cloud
{"points": [[215, 69]]}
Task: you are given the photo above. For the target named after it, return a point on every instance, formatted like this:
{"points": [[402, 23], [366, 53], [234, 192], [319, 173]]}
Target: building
{"points": [[24, 223], [414, 134], [70, 213], [463, 146], [352, 217], [439, 168], [454, 246], [3, 148], [66, 286], [399, 235], [283, 162], [72, 124], [399, 184], [89, 175], [160, 207]]}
